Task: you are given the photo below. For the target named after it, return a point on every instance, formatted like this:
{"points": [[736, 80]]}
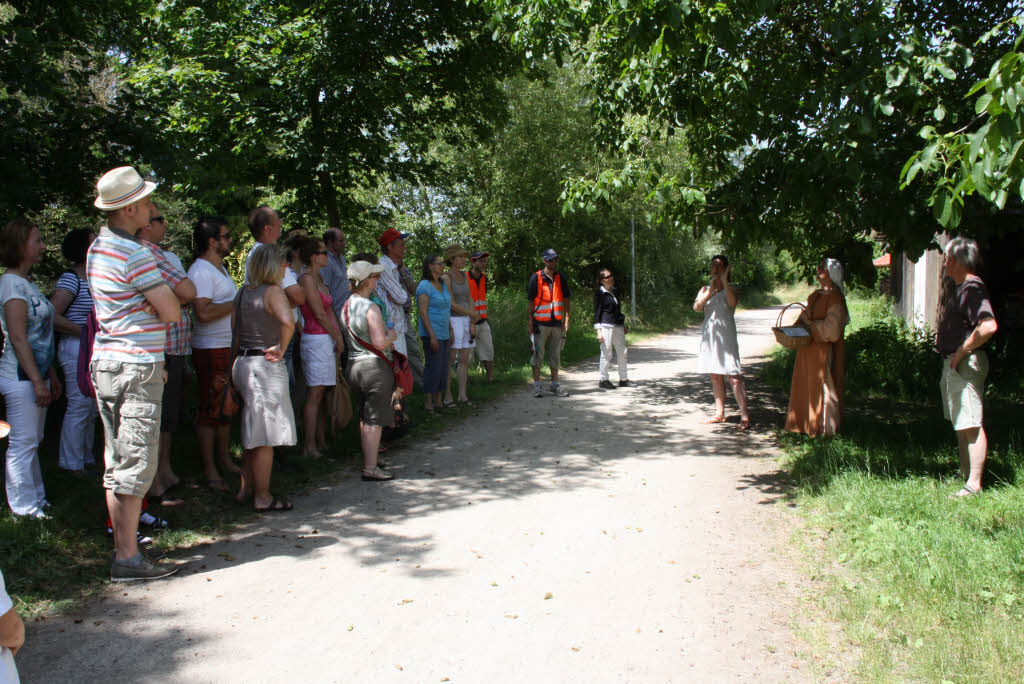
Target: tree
{"points": [[312, 97], [985, 155], [798, 115], [61, 124]]}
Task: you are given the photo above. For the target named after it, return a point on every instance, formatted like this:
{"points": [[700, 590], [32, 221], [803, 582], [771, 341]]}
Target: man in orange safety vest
{"points": [[549, 295], [484, 349]]}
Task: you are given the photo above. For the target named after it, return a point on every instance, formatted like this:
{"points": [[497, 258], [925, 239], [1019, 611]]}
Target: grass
{"points": [[51, 566], [927, 588]]}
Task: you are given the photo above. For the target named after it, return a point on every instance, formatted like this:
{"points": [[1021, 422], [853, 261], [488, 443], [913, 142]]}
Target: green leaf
{"points": [[1010, 100], [939, 113], [946, 71], [982, 103]]}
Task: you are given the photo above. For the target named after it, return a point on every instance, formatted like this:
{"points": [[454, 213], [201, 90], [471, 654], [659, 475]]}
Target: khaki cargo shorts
{"points": [[484, 349], [130, 396], [547, 336], [963, 390]]}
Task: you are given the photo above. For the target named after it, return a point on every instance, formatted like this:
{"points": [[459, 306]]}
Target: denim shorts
{"points": [[130, 396]]}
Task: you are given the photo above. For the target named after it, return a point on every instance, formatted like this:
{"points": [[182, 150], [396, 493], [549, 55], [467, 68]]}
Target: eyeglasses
{"points": [[320, 251], [157, 218], [606, 277], [437, 263]]}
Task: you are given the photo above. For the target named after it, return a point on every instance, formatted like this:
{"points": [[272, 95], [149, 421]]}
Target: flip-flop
{"points": [[377, 475], [449, 404], [713, 420], [166, 499], [278, 505], [965, 492]]}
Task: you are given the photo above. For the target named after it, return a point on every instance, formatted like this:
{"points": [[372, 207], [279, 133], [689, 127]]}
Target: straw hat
{"points": [[120, 187]]}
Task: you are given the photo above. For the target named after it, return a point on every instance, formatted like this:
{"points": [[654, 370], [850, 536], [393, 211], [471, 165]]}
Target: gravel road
{"points": [[603, 537]]}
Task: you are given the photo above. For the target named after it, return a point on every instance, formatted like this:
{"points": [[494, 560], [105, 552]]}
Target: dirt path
{"points": [[603, 537]]}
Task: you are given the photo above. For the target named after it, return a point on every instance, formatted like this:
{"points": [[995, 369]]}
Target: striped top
{"points": [[78, 310], [120, 269]]}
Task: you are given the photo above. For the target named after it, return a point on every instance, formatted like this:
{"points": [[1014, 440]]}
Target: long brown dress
{"points": [[816, 395]]}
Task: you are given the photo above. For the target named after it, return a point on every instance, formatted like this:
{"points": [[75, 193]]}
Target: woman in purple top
{"points": [[967, 323]]}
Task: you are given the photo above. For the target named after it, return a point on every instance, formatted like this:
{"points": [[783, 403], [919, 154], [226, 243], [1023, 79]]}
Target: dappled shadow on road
{"points": [[511, 450]]}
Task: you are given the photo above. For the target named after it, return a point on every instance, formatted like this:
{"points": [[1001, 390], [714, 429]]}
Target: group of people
{"points": [[126, 317], [967, 322], [124, 344]]}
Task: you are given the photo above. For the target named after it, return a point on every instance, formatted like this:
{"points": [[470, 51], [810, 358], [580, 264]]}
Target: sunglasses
{"points": [[320, 251], [157, 218]]}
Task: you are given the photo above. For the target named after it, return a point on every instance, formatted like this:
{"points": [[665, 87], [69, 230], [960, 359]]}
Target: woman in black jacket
{"points": [[610, 324]]}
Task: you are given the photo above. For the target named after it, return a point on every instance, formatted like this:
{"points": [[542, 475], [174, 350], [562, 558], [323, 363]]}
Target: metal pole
{"points": [[632, 282]]}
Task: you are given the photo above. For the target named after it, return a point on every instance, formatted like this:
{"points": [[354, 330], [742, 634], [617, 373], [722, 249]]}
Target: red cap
{"points": [[389, 236]]}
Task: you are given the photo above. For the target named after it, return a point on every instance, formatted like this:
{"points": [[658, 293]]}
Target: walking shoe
{"points": [[623, 383], [606, 384], [559, 391], [537, 391], [151, 520], [141, 568]]}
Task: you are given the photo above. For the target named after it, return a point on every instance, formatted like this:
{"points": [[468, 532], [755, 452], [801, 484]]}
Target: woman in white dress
{"points": [[719, 350]]}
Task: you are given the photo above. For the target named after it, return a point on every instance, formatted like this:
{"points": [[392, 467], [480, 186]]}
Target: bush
{"points": [[888, 357]]}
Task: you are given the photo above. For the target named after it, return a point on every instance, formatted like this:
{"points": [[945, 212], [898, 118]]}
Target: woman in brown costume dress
{"points": [[816, 395]]}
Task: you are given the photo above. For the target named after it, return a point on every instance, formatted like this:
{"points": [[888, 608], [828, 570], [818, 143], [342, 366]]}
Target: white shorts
{"points": [[319, 362], [460, 333]]}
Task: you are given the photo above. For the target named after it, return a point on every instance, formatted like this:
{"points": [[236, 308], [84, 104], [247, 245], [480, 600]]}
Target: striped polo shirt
{"points": [[120, 269]]}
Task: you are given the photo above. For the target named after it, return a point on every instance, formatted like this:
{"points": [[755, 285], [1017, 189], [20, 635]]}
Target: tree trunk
{"points": [[328, 193]]}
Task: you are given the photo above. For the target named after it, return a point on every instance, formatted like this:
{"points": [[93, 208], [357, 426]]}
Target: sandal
{"points": [[713, 420], [279, 504], [744, 425], [448, 404], [965, 492], [377, 475]]}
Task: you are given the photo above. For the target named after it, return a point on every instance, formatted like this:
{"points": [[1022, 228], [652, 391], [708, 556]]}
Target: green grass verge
{"points": [[51, 566], [927, 588]]}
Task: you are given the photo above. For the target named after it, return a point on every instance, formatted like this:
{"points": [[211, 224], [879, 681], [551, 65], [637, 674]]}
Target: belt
{"points": [[252, 352]]}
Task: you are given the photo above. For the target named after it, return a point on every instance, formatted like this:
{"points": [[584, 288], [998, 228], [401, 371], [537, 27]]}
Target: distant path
{"points": [[603, 537]]}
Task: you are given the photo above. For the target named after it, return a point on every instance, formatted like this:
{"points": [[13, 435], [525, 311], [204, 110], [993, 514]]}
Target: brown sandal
{"points": [[713, 420]]}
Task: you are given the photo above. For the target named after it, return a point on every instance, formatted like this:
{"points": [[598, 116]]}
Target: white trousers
{"points": [[78, 432], [25, 493], [614, 338]]}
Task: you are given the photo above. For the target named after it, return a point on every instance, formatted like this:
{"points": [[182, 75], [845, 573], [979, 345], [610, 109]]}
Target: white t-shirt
{"points": [[216, 285], [8, 670]]}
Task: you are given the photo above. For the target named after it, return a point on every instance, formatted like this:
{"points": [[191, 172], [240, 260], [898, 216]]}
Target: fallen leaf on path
{"points": [[351, 627], [399, 667], [548, 595], [512, 616], [226, 556], [404, 601]]}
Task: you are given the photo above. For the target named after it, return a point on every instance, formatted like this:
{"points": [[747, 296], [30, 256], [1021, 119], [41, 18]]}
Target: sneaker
{"points": [[537, 391], [623, 383], [144, 569], [152, 521], [606, 384], [559, 391]]}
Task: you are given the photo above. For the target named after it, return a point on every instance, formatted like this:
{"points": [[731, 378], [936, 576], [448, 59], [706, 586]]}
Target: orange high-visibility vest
{"points": [[548, 304], [478, 293]]}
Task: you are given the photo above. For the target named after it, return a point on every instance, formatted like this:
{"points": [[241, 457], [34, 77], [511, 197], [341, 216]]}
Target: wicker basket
{"points": [[783, 334]]}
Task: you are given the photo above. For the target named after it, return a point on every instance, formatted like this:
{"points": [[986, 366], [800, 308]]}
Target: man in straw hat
{"points": [[133, 307]]}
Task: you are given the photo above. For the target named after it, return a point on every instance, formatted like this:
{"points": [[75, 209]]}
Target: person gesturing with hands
{"points": [[719, 349]]}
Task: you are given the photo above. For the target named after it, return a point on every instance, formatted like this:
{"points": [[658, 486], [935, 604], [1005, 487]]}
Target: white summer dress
{"points": [[719, 350]]}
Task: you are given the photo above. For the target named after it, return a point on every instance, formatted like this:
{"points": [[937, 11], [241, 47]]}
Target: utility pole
{"points": [[632, 281]]}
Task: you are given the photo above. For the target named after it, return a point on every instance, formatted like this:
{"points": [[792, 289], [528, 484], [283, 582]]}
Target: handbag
{"points": [[225, 400], [399, 363], [791, 336]]}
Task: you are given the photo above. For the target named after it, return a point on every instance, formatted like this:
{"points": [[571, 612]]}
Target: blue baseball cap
{"points": [[549, 255]]}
